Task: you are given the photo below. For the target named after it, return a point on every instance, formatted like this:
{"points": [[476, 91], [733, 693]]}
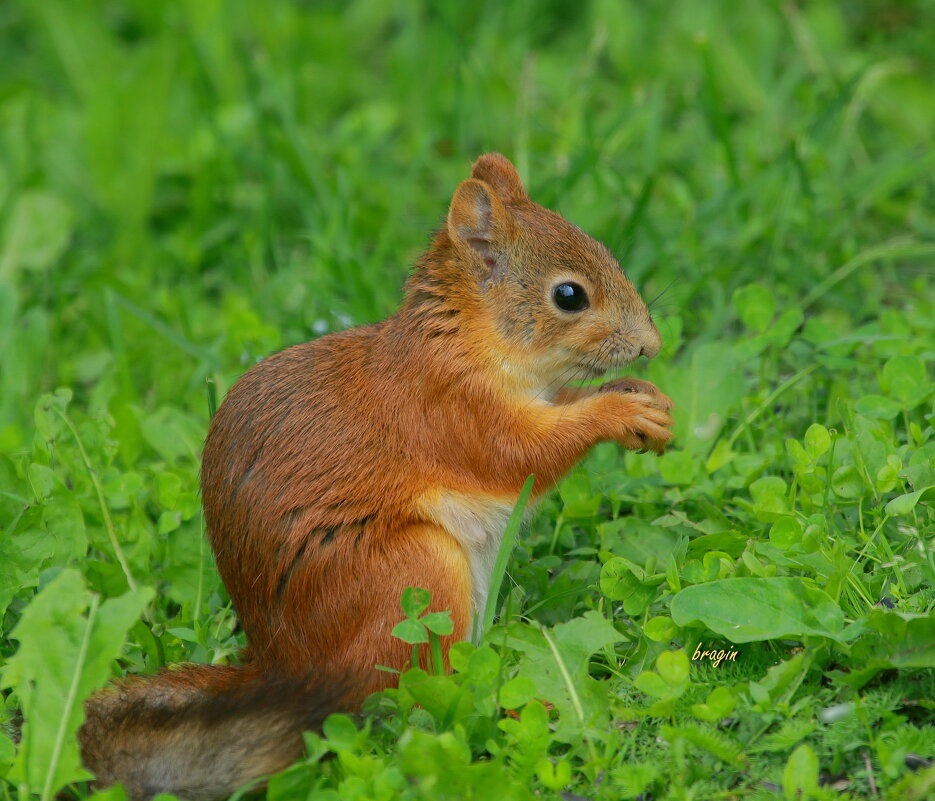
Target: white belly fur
{"points": [[478, 524]]}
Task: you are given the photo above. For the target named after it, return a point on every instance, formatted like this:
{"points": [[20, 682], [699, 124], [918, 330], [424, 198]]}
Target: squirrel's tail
{"points": [[202, 731]]}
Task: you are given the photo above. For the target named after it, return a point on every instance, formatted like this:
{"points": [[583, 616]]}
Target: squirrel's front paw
{"points": [[638, 386], [646, 424]]}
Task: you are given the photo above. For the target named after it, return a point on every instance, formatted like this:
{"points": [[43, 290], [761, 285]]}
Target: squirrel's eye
{"points": [[570, 297]]}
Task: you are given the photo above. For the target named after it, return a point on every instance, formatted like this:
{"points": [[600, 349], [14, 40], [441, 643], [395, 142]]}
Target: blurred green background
{"points": [[188, 186]]}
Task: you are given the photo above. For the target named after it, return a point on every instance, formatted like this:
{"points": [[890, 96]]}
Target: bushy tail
{"points": [[202, 731]]}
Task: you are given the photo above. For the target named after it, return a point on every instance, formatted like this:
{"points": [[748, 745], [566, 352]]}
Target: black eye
{"points": [[570, 297]]}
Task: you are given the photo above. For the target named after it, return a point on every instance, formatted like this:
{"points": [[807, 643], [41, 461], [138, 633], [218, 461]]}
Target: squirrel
{"points": [[338, 472]]}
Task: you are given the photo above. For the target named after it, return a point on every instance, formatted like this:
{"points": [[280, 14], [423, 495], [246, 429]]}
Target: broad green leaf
{"points": [[582, 636], [652, 684], [445, 700], [438, 622], [340, 731], [554, 775], [484, 666], [769, 498], [168, 522], [424, 754], [516, 692], [730, 542], [916, 645], [559, 668], [621, 581], [579, 497], [42, 480], [36, 233], [678, 467], [673, 667], [778, 680], [878, 407], [785, 532], [846, 482], [63, 519], [52, 683], [640, 541], [670, 679], [172, 433], [888, 476], [920, 471], [415, 601], [797, 453], [904, 377], [617, 580], [7, 753], [48, 414], [459, 655], [756, 306], [874, 442], [189, 564], [781, 331], [21, 557], [888, 638], [411, 631], [705, 391], [719, 704], [721, 455], [753, 609], [904, 504], [817, 440], [800, 777], [660, 629], [532, 728], [168, 487]]}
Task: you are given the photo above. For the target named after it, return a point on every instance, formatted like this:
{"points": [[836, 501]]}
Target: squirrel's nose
{"points": [[651, 344]]}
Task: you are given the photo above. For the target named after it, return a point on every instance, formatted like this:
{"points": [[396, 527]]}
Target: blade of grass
{"points": [[161, 328], [503, 556], [105, 512], [894, 249]]}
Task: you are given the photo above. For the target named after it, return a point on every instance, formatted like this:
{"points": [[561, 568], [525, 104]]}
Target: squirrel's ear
{"points": [[479, 220], [501, 175]]}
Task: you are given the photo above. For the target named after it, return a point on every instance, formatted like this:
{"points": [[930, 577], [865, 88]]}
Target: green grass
{"points": [[187, 187]]}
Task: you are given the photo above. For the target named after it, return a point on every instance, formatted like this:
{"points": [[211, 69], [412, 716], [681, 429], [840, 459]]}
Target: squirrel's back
{"points": [[310, 473]]}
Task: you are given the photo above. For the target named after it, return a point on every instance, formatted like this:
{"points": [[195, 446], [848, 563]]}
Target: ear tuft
{"points": [[502, 177]]}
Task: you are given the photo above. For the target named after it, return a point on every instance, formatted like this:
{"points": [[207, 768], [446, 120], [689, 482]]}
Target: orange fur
{"points": [[338, 472]]}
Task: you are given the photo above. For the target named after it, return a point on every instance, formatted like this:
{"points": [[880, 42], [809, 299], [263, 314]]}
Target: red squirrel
{"points": [[338, 472]]}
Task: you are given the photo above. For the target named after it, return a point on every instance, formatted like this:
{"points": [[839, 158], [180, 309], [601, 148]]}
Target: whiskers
{"points": [[661, 310], [652, 303], [579, 371], [575, 372], [611, 356]]}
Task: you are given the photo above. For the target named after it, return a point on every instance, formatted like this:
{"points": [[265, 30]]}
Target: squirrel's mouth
{"points": [[590, 370], [608, 360]]}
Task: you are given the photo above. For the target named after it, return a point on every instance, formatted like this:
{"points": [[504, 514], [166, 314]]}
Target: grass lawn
{"points": [[186, 187]]}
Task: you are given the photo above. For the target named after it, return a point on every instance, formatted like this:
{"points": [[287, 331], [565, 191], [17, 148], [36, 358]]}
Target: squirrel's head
{"points": [[550, 303]]}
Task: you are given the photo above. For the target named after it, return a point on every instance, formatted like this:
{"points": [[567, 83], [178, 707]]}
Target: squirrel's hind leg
{"points": [[356, 592]]}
